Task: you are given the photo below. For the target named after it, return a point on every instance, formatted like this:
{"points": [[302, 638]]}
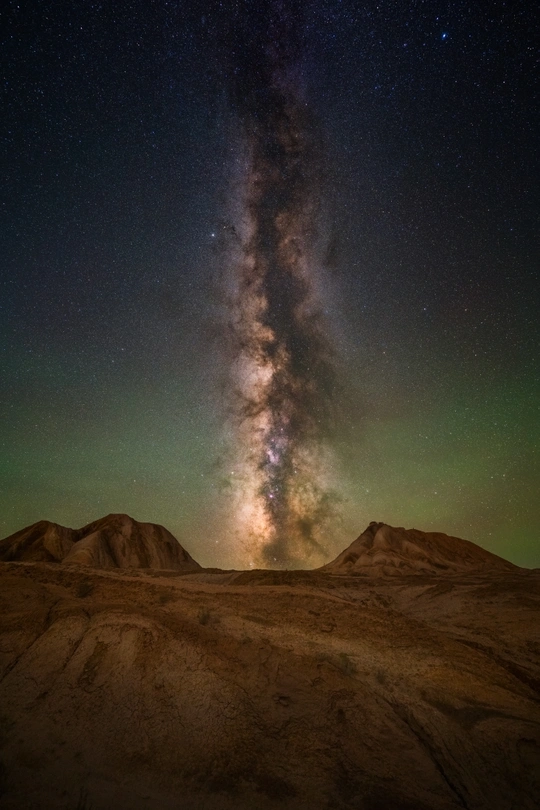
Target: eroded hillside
{"points": [[268, 689]]}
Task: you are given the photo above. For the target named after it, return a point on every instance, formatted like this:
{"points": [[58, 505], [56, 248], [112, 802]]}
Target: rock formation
{"points": [[383, 550], [115, 541], [41, 542]]}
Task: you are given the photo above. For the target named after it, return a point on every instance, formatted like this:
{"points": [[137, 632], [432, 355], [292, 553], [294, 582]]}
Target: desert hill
{"points": [[383, 550], [115, 541], [142, 689]]}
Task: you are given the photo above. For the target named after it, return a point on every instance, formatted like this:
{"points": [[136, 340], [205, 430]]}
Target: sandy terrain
{"points": [[133, 689]]}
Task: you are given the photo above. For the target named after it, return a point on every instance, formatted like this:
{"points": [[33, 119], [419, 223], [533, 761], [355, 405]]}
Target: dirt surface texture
{"points": [[127, 686]]}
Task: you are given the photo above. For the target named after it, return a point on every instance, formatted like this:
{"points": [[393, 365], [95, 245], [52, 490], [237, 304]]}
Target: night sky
{"points": [[406, 155]]}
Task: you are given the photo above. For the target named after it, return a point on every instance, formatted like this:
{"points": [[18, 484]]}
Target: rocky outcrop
{"points": [[383, 550], [115, 541]]}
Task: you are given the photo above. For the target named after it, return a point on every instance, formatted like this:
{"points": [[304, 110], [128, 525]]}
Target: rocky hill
{"points": [[115, 541], [383, 550]]}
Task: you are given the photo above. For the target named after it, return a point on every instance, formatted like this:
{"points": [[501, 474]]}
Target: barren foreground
{"points": [[215, 690]]}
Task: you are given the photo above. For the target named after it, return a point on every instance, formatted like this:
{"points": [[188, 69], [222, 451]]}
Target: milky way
{"points": [[282, 374]]}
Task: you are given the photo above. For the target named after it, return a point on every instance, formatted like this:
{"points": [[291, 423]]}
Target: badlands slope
{"points": [[115, 541], [408, 689]]}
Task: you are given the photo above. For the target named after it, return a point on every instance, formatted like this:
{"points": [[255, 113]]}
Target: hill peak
{"points": [[383, 550], [114, 541]]}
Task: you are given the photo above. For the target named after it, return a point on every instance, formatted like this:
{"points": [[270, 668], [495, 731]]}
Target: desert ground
{"points": [[194, 689]]}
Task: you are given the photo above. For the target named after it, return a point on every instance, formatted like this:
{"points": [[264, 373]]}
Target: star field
{"points": [[120, 150]]}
